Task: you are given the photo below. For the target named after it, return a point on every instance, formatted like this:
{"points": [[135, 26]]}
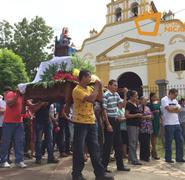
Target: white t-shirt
{"points": [[169, 117], [2, 105], [52, 111]]}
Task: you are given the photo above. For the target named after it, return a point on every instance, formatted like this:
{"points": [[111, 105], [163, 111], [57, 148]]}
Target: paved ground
{"points": [[154, 170]]}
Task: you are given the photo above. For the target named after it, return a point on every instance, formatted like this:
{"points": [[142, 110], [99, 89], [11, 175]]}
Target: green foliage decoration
{"points": [[82, 63], [49, 72]]}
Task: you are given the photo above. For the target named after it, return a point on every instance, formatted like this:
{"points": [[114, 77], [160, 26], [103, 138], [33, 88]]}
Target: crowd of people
{"points": [[99, 123]]}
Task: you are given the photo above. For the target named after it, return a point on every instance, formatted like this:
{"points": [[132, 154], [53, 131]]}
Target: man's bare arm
{"points": [[106, 121], [91, 98], [2, 110], [173, 109]]}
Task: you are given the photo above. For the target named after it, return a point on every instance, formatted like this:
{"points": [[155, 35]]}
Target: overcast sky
{"points": [[80, 16]]}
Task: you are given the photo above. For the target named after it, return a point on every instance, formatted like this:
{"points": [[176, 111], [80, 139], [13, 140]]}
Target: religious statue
{"points": [[63, 46], [64, 37]]}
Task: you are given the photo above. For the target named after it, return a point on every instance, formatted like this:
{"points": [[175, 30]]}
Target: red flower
{"points": [[68, 76], [60, 75]]}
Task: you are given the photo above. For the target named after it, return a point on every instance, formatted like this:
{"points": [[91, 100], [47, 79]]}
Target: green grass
{"points": [[160, 149]]}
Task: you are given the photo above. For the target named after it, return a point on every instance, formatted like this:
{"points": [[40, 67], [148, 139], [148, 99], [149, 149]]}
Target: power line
{"points": [[179, 11], [130, 29]]}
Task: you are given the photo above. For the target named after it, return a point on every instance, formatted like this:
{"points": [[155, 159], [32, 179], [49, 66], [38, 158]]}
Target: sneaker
{"points": [[21, 165], [123, 169], [146, 160], [9, 161], [105, 177], [108, 171], [182, 161], [5, 165], [169, 161], [137, 163], [154, 155]]}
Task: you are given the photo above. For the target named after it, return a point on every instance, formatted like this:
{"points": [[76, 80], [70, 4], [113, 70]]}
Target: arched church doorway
{"points": [[132, 81]]}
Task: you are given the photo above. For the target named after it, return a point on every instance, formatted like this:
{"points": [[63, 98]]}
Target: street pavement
{"points": [[153, 170]]}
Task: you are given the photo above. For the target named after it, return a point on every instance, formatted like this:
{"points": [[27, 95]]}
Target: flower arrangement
{"points": [[54, 74]]}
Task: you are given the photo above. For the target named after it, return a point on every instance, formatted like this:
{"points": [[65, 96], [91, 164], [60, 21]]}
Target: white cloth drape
{"points": [[43, 66]]}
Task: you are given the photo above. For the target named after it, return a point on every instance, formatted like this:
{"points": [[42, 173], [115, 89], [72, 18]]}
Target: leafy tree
{"points": [[12, 68], [6, 34], [29, 40]]}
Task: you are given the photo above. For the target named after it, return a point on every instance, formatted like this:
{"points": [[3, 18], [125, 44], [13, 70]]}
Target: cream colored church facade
{"points": [[119, 52]]}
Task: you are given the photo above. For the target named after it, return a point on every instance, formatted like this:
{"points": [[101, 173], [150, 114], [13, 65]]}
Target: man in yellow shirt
{"points": [[85, 129]]}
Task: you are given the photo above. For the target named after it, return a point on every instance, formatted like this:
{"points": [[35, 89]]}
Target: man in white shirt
{"points": [[170, 109]]}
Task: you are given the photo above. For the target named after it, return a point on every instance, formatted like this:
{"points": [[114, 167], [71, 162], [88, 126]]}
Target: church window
{"points": [[179, 62], [118, 14], [134, 9]]}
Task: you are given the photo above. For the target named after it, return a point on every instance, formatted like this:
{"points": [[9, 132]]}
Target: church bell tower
{"points": [[122, 10]]}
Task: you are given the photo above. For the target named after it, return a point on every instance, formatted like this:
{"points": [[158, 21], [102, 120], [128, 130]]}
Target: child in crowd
{"points": [[145, 130], [123, 128]]}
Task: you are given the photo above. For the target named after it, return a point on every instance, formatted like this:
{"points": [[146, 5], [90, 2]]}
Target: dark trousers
{"points": [[1, 130], [144, 140], [86, 134], [56, 139], [173, 131], [100, 130], [47, 130], [64, 144], [112, 138], [28, 131]]}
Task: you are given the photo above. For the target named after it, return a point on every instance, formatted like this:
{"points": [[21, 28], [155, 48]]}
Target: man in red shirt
{"points": [[13, 128]]}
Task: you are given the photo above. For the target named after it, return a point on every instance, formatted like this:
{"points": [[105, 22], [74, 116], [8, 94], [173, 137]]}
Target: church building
{"points": [[137, 46]]}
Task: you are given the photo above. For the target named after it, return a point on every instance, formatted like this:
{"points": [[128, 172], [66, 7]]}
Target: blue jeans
{"points": [[64, 144], [47, 130], [173, 131], [86, 134], [71, 131], [13, 131]]}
